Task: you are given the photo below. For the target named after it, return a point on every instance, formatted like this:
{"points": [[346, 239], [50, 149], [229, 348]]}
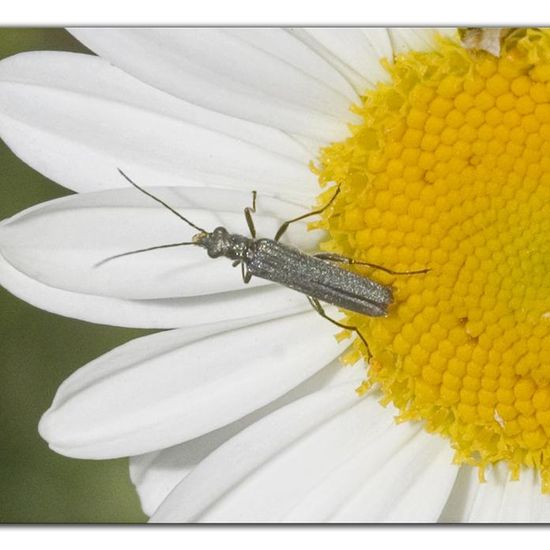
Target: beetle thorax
{"points": [[222, 243]]}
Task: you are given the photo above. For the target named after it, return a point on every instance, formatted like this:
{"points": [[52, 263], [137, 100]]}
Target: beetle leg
{"points": [[248, 211], [331, 257], [284, 226], [246, 275], [316, 305]]}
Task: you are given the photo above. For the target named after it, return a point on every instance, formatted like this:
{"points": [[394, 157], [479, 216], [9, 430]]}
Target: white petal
{"points": [[269, 301], [355, 52], [167, 388], [405, 484], [323, 458], [60, 243], [261, 75], [75, 118], [417, 38], [288, 432], [499, 499], [156, 474]]}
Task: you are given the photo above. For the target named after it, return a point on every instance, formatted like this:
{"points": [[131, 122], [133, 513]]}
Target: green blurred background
{"points": [[38, 351]]}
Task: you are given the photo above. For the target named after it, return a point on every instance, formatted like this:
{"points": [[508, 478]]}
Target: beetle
{"points": [[318, 276]]}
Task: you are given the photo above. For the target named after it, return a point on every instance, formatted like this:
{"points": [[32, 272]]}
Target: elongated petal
{"points": [[417, 38], [406, 484], [233, 466], [268, 301], [314, 461], [75, 118], [261, 75], [499, 499], [167, 388], [156, 474], [60, 243], [356, 52]]}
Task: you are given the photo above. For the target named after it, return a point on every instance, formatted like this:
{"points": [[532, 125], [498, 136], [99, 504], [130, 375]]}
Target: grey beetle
{"points": [[317, 276]]}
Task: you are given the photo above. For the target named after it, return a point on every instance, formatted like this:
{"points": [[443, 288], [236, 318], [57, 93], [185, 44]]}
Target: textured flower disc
{"points": [[450, 170]]}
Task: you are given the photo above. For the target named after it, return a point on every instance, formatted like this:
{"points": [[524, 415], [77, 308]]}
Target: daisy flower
{"points": [[243, 410]]}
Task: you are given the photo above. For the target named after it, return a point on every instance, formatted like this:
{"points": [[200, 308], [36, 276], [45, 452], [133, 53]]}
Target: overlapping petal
{"points": [[156, 474], [263, 75], [391, 481], [499, 500], [307, 461], [75, 118], [254, 448], [170, 387], [355, 52]]}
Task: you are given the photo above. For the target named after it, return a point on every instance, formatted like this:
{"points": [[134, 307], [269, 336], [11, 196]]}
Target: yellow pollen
{"points": [[450, 171]]}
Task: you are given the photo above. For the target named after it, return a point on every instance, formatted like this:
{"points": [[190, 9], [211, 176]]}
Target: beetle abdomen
{"points": [[318, 278]]}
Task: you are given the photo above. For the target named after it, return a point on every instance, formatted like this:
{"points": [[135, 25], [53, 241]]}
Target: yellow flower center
{"points": [[450, 170]]}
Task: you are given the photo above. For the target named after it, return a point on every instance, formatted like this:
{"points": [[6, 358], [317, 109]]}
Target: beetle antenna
{"points": [[173, 245], [161, 202]]}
